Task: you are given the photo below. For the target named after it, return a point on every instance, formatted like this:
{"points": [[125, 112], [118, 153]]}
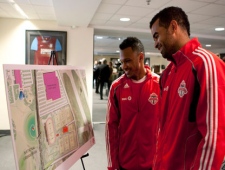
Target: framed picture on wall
{"points": [[41, 45]]}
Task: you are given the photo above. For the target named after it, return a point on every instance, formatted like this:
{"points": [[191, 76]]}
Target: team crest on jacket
{"points": [[153, 99], [182, 90]]}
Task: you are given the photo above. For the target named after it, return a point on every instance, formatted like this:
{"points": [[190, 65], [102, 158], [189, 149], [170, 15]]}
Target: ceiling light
{"points": [[208, 45], [219, 29], [151, 53], [99, 37], [19, 10], [124, 19], [117, 51]]}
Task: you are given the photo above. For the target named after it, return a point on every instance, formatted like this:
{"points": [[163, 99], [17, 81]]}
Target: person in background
{"points": [[132, 111], [111, 75], [192, 111], [120, 71], [96, 76], [223, 58], [104, 74]]}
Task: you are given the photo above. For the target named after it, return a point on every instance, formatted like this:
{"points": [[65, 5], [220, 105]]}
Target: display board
{"points": [[49, 115]]}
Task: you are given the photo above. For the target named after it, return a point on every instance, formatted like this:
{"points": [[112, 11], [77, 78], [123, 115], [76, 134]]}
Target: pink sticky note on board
{"points": [[52, 86], [18, 78]]}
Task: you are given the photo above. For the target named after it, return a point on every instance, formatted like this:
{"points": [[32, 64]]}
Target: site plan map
{"points": [[49, 115]]}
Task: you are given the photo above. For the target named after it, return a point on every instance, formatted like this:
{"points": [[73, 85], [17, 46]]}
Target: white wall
{"points": [[12, 51]]}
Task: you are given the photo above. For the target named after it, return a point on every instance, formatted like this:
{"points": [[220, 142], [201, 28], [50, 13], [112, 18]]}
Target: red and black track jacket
{"points": [[192, 117], [131, 123]]}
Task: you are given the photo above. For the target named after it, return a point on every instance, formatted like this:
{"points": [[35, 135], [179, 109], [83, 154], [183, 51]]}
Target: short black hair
{"points": [[134, 43], [168, 14]]}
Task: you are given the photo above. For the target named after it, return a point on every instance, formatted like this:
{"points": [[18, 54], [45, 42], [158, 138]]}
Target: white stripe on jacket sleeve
{"points": [[209, 147]]}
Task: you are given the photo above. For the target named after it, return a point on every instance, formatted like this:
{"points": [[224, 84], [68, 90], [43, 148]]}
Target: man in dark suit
{"points": [[96, 75], [103, 76]]}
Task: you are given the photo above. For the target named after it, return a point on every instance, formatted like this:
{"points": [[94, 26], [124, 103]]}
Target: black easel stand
{"points": [[53, 58], [87, 154]]}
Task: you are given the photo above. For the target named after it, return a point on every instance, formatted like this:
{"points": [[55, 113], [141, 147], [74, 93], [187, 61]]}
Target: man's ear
{"points": [[173, 26], [141, 56]]}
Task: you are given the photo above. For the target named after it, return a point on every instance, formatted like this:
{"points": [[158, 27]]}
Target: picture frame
{"points": [[43, 46]]}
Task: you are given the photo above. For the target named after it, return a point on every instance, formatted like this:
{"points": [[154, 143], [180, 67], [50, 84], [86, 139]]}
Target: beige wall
{"points": [[12, 51], [157, 60]]}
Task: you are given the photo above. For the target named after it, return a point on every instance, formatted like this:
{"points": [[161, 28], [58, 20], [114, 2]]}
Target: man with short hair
{"points": [[192, 116], [96, 76], [132, 111], [104, 74]]}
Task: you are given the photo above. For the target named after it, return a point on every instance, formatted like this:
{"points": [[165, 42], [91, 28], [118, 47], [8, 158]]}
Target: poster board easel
{"points": [[52, 60]]}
